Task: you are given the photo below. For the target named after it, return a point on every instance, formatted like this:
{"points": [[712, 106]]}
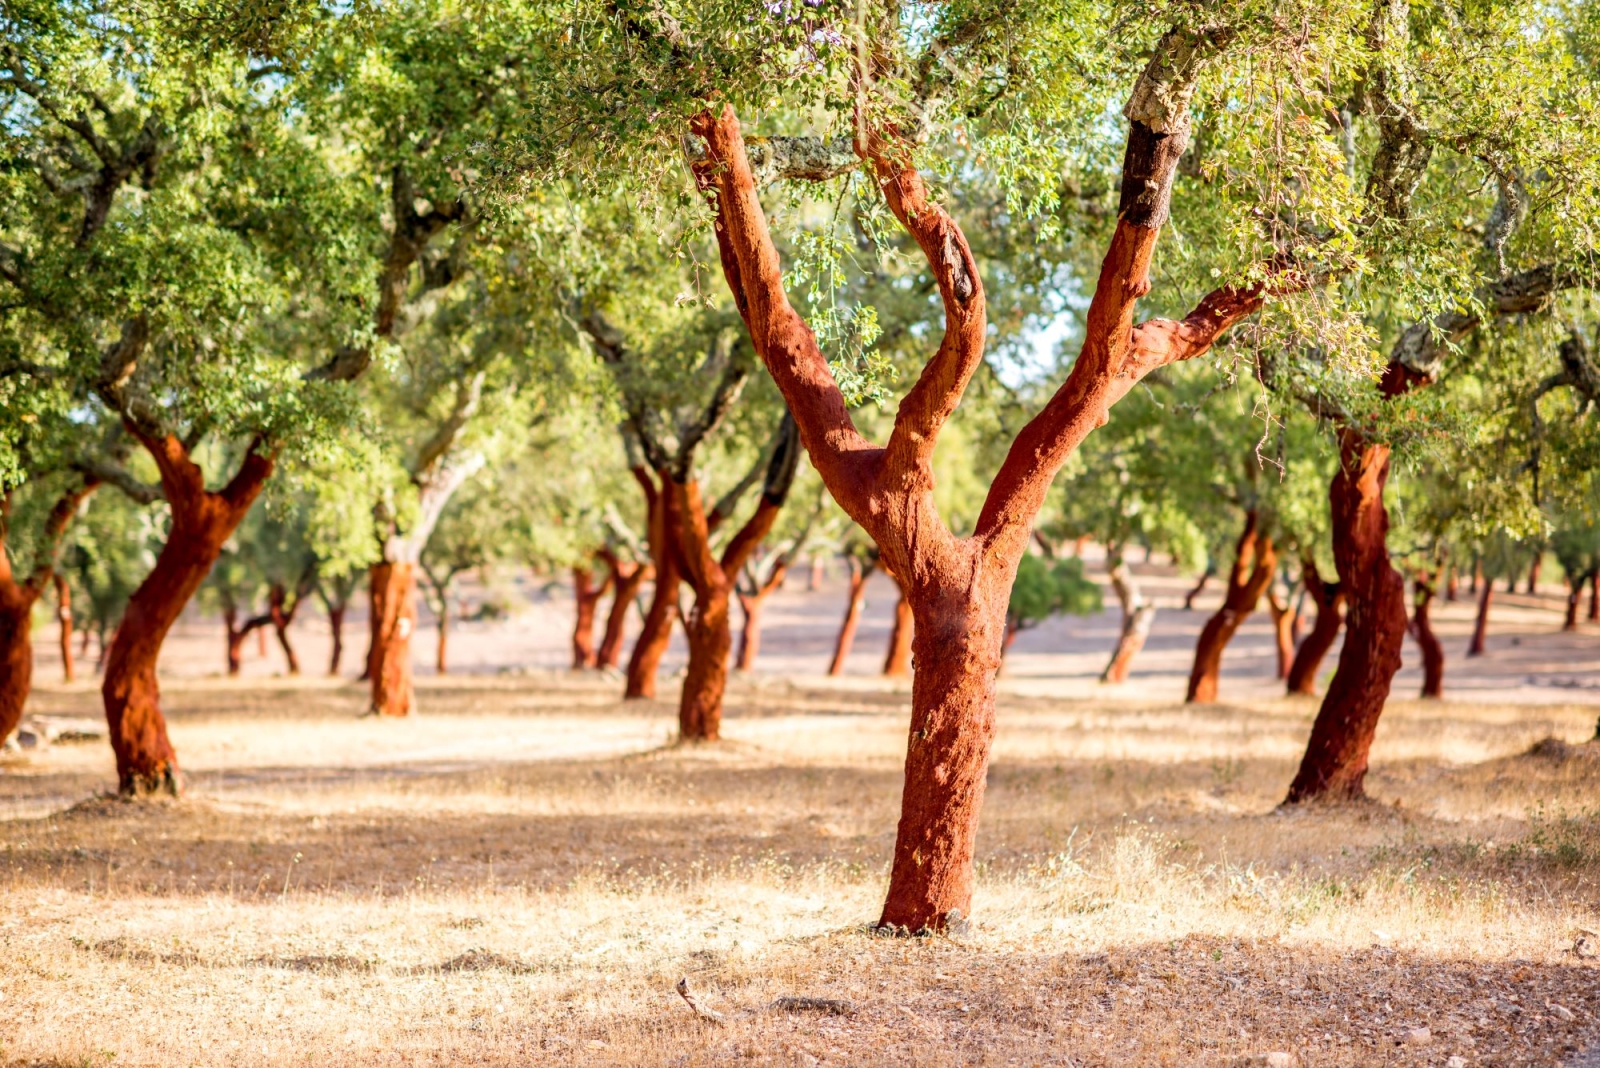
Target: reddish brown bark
{"points": [[852, 614], [1427, 640], [1533, 573], [818, 570], [626, 579], [394, 621], [17, 599], [64, 622], [709, 627], [281, 611], [586, 595], [441, 653], [651, 645], [1254, 561], [958, 587], [1574, 602], [1480, 626], [1329, 598], [897, 663], [235, 635], [1452, 583], [1594, 597], [1138, 616], [202, 520], [1335, 762], [750, 603], [1284, 619]]}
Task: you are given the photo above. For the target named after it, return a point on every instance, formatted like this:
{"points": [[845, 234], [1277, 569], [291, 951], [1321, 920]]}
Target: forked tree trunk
{"points": [[1138, 616], [1480, 626], [1427, 640], [1198, 588], [282, 615], [751, 603], [64, 621], [1335, 762], [626, 579], [852, 614], [709, 627], [394, 621], [654, 636], [1329, 598], [201, 522], [586, 596], [336, 628], [1253, 564], [897, 663]]}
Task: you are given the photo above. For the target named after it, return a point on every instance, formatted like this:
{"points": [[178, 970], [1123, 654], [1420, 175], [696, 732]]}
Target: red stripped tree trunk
{"points": [[1594, 596], [1284, 618], [201, 522], [897, 663], [1335, 762], [1253, 564], [235, 636], [441, 662], [282, 615], [586, 596], [626, 579], [654, 636], [16, 648], [1138, 616], [394, 621], [852, 615], [1427, 640], [64, 621], [751, 604], [819, 568], [1480, 626], [1533, 573], [336, 627], [1575, 586], [1329, 598]]}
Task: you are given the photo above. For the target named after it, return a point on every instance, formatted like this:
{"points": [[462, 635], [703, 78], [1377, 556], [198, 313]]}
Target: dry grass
{"points": [[522, 874]]}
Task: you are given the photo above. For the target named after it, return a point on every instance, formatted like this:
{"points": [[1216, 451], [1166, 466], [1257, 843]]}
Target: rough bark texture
{"points": [[1335, 761], [626, 581], [64, 622], [1427, 640], [586, 595], [897, 662], [1480, 626], [859, 574], [1138, 615], [1329, 598], [201, 522], [394, 621], [1254, 562], [651, 645], [958, 588]]}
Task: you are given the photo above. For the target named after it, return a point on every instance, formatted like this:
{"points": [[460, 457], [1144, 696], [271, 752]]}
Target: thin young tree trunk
{"points": [[1533, 573], [336, 627], [1329, 598], [394, 621], [1480, 626], [654, 636], [234, 636], [1427, 640], [852, 615], [897, 663], [1452, 582], [751, 604], [1574, 601], [201, 522], [628, 580], [64, 621], [1138, 616], [1594, 596], [1254, 561], [1335, 762], [1198, 587], [1283, 627], [586, 596], [441, 658]]}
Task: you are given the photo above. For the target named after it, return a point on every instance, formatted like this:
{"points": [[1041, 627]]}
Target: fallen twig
{"points": [[699, 1010]]}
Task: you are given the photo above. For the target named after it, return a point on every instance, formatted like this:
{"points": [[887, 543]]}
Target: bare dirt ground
{"points": [[522, 873]]}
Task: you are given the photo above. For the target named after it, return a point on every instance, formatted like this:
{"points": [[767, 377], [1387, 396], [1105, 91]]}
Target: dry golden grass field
{"points": [[521, 874]]}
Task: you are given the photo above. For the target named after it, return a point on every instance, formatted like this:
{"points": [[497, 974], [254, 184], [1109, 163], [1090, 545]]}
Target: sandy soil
{"points": [[522, 873]]}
